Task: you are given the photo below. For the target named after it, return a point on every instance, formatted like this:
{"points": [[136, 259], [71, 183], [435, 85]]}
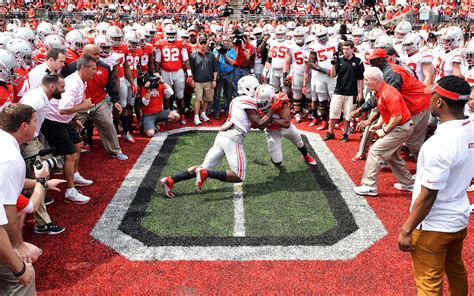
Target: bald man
{"points": [[98, 88]]}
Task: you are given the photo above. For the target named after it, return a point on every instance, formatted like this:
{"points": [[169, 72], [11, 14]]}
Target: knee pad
{"points": [[324, 107]]}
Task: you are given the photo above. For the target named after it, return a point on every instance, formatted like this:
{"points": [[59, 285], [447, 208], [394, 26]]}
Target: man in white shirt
{"points": [[52, 86], [435, 230], [55, 61], [60, 132]]}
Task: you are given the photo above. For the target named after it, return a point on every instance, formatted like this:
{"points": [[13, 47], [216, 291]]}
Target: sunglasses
{"points": [[203, 42]]}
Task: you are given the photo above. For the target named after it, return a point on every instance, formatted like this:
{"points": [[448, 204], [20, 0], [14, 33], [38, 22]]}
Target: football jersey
{"points": [[6, 95], [416, 61], [22, 84], [171, 55], [71, 56], [363, 51], [325, 52], [258, 56], [39, 56], [112, 60], [468, 73], [278, 52], [444, 62], [121, 52], [146, 56], [298, 54], [133, 61], [237, 114]]}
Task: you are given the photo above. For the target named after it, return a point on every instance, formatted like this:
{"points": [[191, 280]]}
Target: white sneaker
{"points": [[366, 190], [81, 181], [76, 197], [196, 120], [403, 187], [298, 118], [204, 117]]}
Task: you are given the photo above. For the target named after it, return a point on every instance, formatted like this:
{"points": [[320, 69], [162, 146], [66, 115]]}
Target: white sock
{"points": [[69, 190], [77, 175]]}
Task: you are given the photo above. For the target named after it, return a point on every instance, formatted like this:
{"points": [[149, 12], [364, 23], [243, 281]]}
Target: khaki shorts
{"points": [[340, 104], [203, 90]]}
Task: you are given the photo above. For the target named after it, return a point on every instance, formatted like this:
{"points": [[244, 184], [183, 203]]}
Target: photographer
{"points": [[225, 56], [153, 92], [349, 85], [243, 61]]}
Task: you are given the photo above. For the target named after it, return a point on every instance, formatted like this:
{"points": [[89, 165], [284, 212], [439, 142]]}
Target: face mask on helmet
{"points": [[171, 37], [116, 41], [105, 51], [323, 39], [299, 39], [133, 44], [357, 39]]}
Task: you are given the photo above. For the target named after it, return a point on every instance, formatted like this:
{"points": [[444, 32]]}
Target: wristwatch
{"points": [[43, 182]]}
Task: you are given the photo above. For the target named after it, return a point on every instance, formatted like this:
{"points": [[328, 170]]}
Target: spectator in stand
{"points": [[393, 129], [225, 55], [60, 124], [204, 67]]}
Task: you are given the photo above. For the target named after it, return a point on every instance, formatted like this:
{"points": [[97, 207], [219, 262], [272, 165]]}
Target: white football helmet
{"points": [[4, 38], [264, 96], [166, 22], [321, 34], [291, 25], [132, 39], [411, 43], [331, 31], [384, 42], [453, 38], [403, 28], [310, 39], [12, 28], [44, 29], [75, 40], [23, 51], [374, 34], [247, 86], [357, 35], [280, 33], [150, 31], [257, 32], [299, 35], [183, 34], [105, 45], [116, 35], [26, 34], [469, 53], [54, 41], [170, 33], [143, 39], [102, 27], [8, 65], [268, 29]]}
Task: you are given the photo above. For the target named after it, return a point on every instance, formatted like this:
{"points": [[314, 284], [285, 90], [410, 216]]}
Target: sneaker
{"points": [[196, 120], [49, 228], [403, 187], [359, 157], [345, 138], [366, 190], [329, 136], [298, 118], [323, 126], [167, 184], [204, 117], [201, 176], [309, 159], [81, 181], [86, 149], [128, 137], [313, 122], [76, 197], [183, 120], [48, 200], [120, 156]]}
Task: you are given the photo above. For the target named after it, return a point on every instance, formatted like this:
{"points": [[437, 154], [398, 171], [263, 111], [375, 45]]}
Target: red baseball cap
{"points": [[377, 53]]}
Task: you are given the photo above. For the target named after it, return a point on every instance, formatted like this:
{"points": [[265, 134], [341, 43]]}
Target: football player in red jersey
{"points": [[23, 51], [75, 42], [8, 64], [127, 85], [170, 56], [134, 54]]}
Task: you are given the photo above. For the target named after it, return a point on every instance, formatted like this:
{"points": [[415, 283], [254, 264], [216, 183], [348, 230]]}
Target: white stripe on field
{"points": [[239, 215]]}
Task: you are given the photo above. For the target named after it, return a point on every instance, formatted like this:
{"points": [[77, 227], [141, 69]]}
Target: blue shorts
{"points": [[149, 120]]}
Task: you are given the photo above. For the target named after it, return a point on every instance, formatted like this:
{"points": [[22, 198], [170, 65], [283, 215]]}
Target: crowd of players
{"points": [[293, 57]]}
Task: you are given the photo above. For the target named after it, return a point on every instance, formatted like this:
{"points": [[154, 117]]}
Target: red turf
{"points": [[74, 263]]}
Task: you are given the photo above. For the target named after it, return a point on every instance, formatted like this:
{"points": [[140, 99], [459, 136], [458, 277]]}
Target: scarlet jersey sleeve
{"points": [[71, 56], [6, 95], [39, 57]]}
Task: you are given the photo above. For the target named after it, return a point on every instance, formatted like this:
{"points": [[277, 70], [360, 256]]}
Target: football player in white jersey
{"points": [[281, 127], [468, 65], [421, 62], [448, 62], [294, 62], [276, 59], [321, 53], [361, 47], [401, 30], [243, 114]]}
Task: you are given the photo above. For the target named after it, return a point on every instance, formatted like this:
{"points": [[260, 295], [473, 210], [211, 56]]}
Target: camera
{"points": [[212, 44], [147, 77], [50, 162], [237, 37], [337, 58], [221, 48]]}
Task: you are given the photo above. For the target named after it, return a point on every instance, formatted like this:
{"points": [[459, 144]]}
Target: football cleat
{"points": [[201, 176], [309, 159], [167, 184]]}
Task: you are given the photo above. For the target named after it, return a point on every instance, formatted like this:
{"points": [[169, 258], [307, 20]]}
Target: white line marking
{"points": [[239, 213]]}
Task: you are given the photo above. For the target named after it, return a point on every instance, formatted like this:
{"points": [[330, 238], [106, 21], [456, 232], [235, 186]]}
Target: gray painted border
{"points": [[107, 230]]}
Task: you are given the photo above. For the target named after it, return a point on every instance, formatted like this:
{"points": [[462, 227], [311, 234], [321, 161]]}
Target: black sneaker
{"points": [[48, 200], [345, 138], [329, 136], [49, 228]]}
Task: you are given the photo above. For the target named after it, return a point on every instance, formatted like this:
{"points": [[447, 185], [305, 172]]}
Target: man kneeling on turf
{"points": [[153, 92], [243, 113]]}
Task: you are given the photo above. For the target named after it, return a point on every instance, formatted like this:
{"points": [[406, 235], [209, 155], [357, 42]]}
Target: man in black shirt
{"points": [[350, 77]]}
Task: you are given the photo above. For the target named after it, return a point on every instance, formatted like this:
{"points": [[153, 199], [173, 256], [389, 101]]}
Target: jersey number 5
{"points": [[326, 53], [299, 58]]}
